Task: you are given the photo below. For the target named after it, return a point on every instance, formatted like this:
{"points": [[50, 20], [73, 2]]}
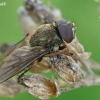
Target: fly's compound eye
{"points": [[66, 30]]}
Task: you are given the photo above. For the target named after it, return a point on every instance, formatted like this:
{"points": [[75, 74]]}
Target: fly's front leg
{"points": [[63, 50]]}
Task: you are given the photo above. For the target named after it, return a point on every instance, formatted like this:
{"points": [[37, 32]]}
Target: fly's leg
{"points": [[21, 77]]}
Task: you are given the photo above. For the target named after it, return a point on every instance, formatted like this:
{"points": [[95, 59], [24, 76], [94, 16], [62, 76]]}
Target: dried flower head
{"points": [[76, 47], [42, 66], [4, 47], [40, 86], [66, 68], [40, 13], [26, 22], [9, 88]]}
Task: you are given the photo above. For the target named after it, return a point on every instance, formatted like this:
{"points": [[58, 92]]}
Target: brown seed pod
{"points": [[42, 66], [66, 68], [4, 47], [78, 48], [40, 86], [9, 88], [27, 24], [40, 13]]}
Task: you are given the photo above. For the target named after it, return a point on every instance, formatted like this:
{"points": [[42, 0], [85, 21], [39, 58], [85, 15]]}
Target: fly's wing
{"points": [[18, 60], [18, 45]]}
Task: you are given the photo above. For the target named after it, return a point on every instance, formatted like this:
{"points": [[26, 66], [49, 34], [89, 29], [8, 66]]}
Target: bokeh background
{"points": [[84, 13]]}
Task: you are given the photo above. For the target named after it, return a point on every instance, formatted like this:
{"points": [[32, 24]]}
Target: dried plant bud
{"points": [[85, 55], [66, 68], [9, 88], [33, 13], [30, 4], [4, 47], [42, 66], [56, 13], [40, 86], [40, 13], [77, 46], [26, 22], [79, 49]]}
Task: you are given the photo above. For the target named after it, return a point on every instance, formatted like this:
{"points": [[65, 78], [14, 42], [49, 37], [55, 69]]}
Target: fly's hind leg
{"points": [[21, 78]]}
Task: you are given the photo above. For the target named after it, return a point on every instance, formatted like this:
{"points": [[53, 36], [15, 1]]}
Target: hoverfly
{"points": [[47, 39]]}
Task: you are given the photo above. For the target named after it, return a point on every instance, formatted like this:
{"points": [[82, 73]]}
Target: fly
{"points": [[45, 40]]}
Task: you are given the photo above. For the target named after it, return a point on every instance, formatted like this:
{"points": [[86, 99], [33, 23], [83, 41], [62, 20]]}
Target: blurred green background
{"points": [[83, 13]]}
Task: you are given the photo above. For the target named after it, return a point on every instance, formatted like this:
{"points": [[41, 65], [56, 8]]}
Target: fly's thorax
{"points": [[43, 35]]}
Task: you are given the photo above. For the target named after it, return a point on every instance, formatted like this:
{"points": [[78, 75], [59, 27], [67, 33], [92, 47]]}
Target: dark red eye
{"points": [[65, 31]]}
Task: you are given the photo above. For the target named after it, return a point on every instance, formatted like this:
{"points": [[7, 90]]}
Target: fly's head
{"points": [[65, 30]]}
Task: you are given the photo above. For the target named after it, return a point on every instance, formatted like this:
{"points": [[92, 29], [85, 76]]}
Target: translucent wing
{"points": [[18, 45], [17, 59]]}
